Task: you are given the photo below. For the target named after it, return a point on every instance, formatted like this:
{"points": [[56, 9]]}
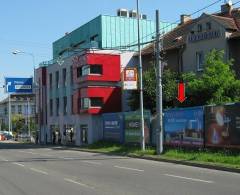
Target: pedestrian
{"points": [[54, 137], [59, 138], [71, 135]]}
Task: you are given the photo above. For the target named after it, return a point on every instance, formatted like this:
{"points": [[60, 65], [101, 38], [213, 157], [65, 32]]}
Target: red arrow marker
{"points": [[181, 92]]}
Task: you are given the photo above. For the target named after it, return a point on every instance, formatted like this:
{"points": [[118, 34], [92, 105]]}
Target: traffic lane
{"points": [[170, 170], [183, 175], [123, 172], [21, 180]]}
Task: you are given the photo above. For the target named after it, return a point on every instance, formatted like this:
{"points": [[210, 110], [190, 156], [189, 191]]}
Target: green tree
{"points": [[18, 123], [149, 90], [217, 84]]}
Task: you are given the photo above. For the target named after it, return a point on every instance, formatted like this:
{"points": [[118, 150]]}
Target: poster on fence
{"points": [[113, 127], [133, 127], [184, 126], [222, 125]]}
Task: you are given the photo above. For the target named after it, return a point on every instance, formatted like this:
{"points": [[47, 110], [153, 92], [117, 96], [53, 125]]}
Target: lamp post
{"points": [[17, 52]]}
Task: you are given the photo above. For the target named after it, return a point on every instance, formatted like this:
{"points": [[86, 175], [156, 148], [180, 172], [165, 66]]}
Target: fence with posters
{"points": [[222, 126], [133, 128], [113, 127], [184, 126]]}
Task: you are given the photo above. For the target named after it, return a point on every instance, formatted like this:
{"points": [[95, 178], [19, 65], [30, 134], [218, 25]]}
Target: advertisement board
{"points": [[113, 127], [184, 126], [222, 124], [130, 79], [133, 129], [18, 85]]}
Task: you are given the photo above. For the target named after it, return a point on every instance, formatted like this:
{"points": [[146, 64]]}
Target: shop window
{"points": [[96, 102]]}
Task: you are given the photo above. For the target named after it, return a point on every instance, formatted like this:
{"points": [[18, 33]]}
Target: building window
{"points": [[57, 79], [64, 73], [94, 37], [50, 80], [208, 26], [91, 102], [96, 102], [65, 105], [19, 109], [79, 72], [33, 109], [200, 60], [89, 69], [57, 106], [85, 103], [72, 104], [199, 26], [51, 107], [13, 109], [71, 74]]}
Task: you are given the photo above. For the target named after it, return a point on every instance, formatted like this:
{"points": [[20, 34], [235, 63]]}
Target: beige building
{"points": [[186, 46]]}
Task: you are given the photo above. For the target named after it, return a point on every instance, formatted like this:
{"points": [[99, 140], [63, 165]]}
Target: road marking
{"points": [[78, 183], [4, 159], [127, 168], [189, 178], [28, 152], [39, 171], [19, 164], [91, 162], [68, 158]]}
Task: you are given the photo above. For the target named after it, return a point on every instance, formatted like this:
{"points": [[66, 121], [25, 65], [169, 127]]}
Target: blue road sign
{"points": [[18, 85]]}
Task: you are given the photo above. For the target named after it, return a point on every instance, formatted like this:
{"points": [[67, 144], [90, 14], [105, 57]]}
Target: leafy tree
{"points": [[217, 84], [149, 90], [18, 123]]}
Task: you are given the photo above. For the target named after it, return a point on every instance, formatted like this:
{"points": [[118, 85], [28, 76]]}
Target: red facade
{"points": [[102, 86]]}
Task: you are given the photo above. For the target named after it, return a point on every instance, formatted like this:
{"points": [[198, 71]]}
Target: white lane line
{"points": [[78, 183], [39, 171], [28, 152], [4, 159], [68, 158], [189, 178], [91, 162], [128, 168], [19, 164]]}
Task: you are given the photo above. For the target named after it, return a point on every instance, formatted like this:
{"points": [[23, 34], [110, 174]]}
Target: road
{"points": [[35, 170]]}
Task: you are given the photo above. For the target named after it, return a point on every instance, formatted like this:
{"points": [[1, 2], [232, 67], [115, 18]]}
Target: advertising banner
{"points": [[18, 85], [130, 79], [133, 129], [222, 124], [113, 127], [184, 126]]}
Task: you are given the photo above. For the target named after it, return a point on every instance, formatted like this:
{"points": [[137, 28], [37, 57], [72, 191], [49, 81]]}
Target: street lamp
{"points": [[16, 52]]}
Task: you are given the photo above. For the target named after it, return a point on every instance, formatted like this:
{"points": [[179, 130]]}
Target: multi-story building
{"points": [[21, 104], [84, 78], [186, 46]]}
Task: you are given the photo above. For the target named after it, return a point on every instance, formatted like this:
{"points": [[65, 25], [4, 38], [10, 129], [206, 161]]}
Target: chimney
{"points": [[227, 8], [185, 18]]}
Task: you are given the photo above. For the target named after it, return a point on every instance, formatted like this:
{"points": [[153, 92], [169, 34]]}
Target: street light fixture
{"points": [[16, 52]]}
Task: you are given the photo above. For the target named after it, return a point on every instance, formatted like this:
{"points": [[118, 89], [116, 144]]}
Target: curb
{"points": [[180, 162]]}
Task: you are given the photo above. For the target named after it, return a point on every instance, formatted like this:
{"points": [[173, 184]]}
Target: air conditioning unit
{"points": [[133, 14], [122, 13]]}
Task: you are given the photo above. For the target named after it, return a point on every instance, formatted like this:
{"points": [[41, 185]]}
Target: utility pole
{"points": [[159, 130], [9, 113], [140, 80]]}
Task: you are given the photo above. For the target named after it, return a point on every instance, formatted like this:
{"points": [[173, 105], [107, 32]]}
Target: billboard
{"points": [[184, 126], [18, 85], [113, 127], [133, 129], [222, 124], [130, 79]]}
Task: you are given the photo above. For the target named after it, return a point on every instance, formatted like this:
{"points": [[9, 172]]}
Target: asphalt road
{"points": [[32, 170]]}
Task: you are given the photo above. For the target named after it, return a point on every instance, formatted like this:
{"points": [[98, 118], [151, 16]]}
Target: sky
{"points": [[32, 25]]}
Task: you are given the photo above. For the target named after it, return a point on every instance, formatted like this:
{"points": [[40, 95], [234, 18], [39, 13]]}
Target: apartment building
{"points": [[186, 46], [84, 78]]}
